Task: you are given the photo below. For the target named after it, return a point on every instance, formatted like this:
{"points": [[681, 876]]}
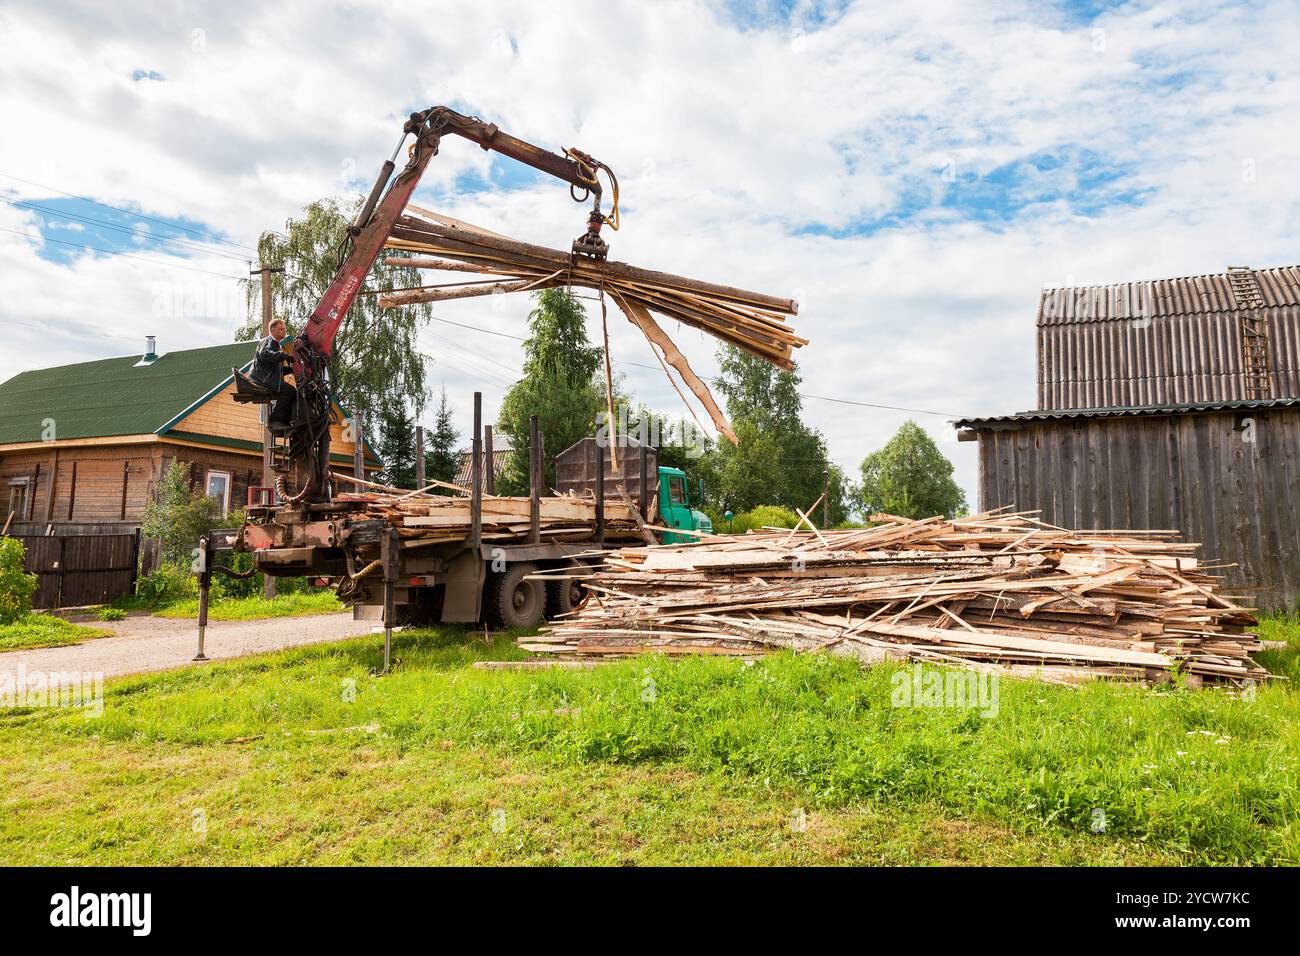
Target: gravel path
{"points": [[146, 643]]}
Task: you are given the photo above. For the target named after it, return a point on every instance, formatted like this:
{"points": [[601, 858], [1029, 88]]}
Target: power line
{"points": [[655, 368], [470, 364], [184, 245], [124, 255], [139, 215], [892, 408]]}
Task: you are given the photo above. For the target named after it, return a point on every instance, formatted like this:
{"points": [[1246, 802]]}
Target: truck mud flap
{"points": [[463, 595]]}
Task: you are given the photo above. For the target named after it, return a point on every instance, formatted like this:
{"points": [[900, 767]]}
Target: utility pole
{"points": [[265, 272]]}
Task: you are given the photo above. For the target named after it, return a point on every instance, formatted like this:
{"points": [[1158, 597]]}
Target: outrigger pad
{"points": [[249, 392]]}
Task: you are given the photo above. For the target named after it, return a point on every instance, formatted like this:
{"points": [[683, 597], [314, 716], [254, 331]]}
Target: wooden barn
{"points": [[1165, 404], [81, 447]]}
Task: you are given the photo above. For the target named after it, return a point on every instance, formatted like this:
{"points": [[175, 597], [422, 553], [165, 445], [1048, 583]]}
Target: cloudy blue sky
{"points": [[914, 173]]}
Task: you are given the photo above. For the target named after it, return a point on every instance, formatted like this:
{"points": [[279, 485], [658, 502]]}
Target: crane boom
{"points": [[314, 346], [372, 228]]}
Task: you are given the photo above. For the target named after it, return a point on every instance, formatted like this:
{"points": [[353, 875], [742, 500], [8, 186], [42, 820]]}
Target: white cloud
{"points": [[737, 143]]}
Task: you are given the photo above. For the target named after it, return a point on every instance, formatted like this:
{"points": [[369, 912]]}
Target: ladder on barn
{"points": [[1254, 330]]}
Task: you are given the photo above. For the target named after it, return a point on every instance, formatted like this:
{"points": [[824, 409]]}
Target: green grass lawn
{"points": [[308, 757], [298, 604], [45, 630]]}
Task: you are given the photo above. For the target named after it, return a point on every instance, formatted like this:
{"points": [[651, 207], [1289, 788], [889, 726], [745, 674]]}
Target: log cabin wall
{"points": [[90, 484]]}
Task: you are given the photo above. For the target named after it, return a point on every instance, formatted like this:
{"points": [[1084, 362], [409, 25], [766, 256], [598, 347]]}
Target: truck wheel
{"points": [[563, 595], [513, 602]]}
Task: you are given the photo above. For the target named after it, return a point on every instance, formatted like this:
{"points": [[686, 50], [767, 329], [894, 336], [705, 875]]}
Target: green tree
{"points": [[780, 460], [440, 458], [377, 360], [177, 516], [910, 477], [397, 445], [559, 385], [680, 443], [16, 585]]}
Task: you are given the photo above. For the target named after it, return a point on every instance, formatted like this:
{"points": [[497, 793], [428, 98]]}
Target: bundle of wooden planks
{"points": [[995, 591], [425, 519], [752, 321]]}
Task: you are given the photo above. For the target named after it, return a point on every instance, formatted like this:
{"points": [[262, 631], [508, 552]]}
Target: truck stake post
{"points": [[476, 476], [534, 481], [600, 494], [641, 485]]}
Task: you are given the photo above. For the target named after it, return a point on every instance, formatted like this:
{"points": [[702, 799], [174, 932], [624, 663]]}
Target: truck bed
{"points": [[438, 519]]}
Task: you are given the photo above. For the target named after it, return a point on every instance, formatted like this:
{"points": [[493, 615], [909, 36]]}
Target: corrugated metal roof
{"points": [[1059, 414], [1189, 295], [1163, 342], [500, 458]]}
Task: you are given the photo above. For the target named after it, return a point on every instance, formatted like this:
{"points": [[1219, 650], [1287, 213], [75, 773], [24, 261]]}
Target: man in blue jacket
{"points": [[268, 369]]}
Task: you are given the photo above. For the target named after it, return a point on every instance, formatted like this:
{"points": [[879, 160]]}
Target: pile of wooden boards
{"points": [[751, 321], [996, 591], [425, 519]]}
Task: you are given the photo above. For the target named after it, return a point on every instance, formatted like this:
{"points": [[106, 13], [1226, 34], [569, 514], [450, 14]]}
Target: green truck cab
{"points": [[675, 509]]}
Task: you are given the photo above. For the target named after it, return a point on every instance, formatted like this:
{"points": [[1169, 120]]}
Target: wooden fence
{"points": [[74, 569]]}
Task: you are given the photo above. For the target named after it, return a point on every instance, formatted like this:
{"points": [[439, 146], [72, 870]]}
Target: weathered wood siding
{"points": [[575, 470], [111, 484], [79, 569], [1229, 480], [223, 417], [88, 482]]}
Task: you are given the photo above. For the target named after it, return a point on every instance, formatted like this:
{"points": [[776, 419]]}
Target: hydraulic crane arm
{"points": [[376, 218], [309, 438]]}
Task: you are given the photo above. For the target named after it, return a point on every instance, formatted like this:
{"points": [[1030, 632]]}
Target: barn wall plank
{"points": [[1194, 472]]}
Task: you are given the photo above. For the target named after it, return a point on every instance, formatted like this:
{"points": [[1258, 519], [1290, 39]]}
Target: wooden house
{"points": [[81, 446]]}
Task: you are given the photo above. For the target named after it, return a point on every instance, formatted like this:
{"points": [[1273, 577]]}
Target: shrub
{"points": [[16, 585], [238, 587], [178, 517], [112, 614], [764, 516], [297, 586], [168, 583]]}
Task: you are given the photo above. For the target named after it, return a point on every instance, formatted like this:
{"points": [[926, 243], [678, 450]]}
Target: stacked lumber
{"points": [[996, 591], [752, 321], [424, 519]]}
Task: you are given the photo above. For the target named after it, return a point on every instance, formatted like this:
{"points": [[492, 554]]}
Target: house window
{"points": [[219, 488], [18, 499]]}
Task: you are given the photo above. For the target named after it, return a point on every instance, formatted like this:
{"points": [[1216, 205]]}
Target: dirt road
{"points": [[154, 643]]}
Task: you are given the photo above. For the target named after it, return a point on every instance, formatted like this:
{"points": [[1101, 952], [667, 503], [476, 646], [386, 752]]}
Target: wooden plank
{"points": [[1021, 591]]}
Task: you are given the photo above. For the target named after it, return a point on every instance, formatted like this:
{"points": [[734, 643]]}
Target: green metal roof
{"points": [[120, 396], [116, 396]]}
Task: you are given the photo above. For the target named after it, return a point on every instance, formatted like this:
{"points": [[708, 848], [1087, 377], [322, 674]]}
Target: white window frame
{"points": [[207, 488], [17, 484]]}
